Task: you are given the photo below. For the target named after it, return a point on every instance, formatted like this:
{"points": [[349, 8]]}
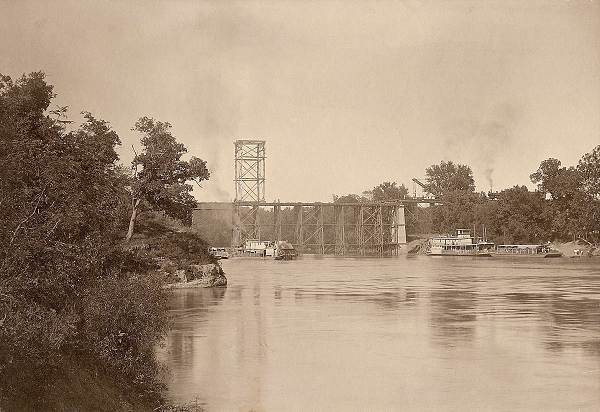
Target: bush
{"points": [[30, 350], [185, 248], [121, 321]]}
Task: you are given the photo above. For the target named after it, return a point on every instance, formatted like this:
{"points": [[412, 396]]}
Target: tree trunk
{"points": [[135, 204]]}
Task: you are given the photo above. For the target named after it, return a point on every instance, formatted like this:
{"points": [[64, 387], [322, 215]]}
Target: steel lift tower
{"points": [[249, 189]]}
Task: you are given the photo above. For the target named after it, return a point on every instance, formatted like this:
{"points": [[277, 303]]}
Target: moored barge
{"points": [[527, 250]]}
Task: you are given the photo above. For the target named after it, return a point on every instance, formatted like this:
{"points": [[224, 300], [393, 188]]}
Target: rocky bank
{"points": [[198, 276]]}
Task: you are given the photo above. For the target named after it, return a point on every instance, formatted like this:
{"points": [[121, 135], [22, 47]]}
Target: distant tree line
{"points": [[565, 206]]}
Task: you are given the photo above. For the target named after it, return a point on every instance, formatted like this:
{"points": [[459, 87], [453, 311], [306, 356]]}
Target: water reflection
{"points": [[189, 309], [453, 315], [570, 322], [390, 334]]}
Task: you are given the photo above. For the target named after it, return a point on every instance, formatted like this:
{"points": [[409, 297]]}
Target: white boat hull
{"points": [[439, 251]]}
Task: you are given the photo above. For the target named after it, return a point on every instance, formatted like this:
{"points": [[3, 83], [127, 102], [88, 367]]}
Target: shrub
{"points": [[122, 319]]}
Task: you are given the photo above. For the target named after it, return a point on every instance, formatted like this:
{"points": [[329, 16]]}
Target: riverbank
{"points": [[568, 249], [181, 255], [165, 258], [80, 387], [199, 276]]}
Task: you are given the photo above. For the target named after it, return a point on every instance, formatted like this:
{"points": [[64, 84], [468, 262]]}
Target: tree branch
{"points": [[28, 217], [197, 182], [54, 227]]}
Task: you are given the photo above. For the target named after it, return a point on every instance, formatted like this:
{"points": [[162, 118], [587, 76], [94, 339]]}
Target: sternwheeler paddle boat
{"points": [[462, 244]]}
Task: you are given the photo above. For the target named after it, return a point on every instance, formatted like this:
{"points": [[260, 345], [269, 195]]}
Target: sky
{"points": [[346, 94]]}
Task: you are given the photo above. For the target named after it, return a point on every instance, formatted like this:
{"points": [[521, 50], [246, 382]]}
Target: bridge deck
{"points": [[223, 205]]}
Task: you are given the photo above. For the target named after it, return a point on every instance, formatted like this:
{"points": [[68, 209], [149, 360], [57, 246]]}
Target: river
{"points": [[418, 333]]}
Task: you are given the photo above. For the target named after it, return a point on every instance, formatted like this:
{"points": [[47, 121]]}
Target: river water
{"points": [[418, 333]]}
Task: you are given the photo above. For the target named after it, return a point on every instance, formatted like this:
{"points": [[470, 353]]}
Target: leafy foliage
{"points": [[388, 191], [448, 177], [167, 240], [124, 342], [589, 168], [559, 181], [458, 211], [350, 198], [162, 181], [521, 216], [68, 291]]}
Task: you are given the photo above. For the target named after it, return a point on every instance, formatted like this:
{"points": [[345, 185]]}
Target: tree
{"points": [[522, 216], [162, 181], [458, 211], [589, 168], [387, 191], [546, 173], [447, 177], [485, 215], [384, 192], [572, 207], [559, 181], [350, 198]]}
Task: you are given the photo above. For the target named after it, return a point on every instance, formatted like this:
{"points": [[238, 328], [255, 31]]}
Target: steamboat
{"points": [[461, 244]]}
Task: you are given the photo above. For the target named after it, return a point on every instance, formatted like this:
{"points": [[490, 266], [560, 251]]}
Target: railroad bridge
{"points": [[344, 229]]}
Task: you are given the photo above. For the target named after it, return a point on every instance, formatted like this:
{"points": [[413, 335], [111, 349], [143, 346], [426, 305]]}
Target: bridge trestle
{"points": [[360, 229]]}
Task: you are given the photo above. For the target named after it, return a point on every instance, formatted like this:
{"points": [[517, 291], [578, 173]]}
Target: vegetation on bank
{"points": [[565, 206], [80, 314]]}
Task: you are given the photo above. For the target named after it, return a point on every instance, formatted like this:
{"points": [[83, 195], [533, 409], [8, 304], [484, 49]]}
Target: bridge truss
{"points": [[355, 229]]}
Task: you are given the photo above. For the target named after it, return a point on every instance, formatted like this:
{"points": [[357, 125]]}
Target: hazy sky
{"points": [[346, 94]]}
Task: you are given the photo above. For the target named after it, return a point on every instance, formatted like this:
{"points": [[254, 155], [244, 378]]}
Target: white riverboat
{"points": [[219, 252], [461, 244]]}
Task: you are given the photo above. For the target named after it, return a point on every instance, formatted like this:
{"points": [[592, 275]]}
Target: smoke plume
{"points": [[483, 141]]}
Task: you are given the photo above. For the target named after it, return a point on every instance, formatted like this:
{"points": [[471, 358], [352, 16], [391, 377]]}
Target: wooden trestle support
{"points": [[343, 229]]}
